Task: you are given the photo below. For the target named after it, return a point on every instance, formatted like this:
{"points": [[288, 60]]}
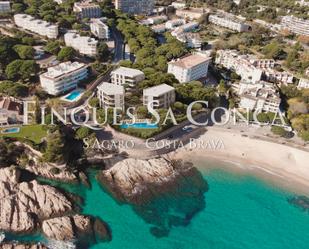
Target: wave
{"points": [[2, 237], [55, 244]]}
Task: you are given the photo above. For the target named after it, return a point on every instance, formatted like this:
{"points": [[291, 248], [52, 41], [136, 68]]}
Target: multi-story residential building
{"points": [[111, 95], [5, 7], [11, 110], [189, 68], [156, 19], [192, 40], [171, 24], [262, 96], [99, 28], [161, 96], [86, 9], [179, 5], [83, 44], [263, 63], [63, 77], [128, 77], [229, 21], [295, 25], [303, 83], [278, 77], [192, 13], [241, 64], [37, 26], [135, 6], [159, 28], [181, 34]]}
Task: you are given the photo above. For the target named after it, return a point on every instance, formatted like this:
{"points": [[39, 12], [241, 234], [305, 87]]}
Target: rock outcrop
{"points": [[72, 227], [23, 204], [21, 246], [135, 181]]}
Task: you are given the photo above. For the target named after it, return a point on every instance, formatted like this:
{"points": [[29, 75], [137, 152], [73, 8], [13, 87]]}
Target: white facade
{"points": [[86, 9], [262, 96], [63, 77], [229, 21], [161, 96], [174, 23], [303, 83], [178, 5], [159, 28], [191, 13], [243, 65], [36, 25], [125, 76], [135, 6], [83, 44], [99, 28], [5, 7], [156, 19], [295, 25], [278, 77], [189, 68], [111, 95]]}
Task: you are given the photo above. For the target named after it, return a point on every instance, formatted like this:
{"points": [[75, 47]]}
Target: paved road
{"points": [[119, 45]]}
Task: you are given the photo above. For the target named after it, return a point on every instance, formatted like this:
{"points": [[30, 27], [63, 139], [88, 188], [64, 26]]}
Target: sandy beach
{"points": [[275, 161]]}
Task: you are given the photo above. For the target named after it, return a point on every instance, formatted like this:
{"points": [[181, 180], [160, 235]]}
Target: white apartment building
{"points": [[159, 28], [111, 95], [83, 44], [191, 13], [163, 95], [5, 7], [262, 96], [99, 28], [229, 21], [189, 68], [192, 40], [135, 6], [303, 83], [125, 76], [63, 77], [86, 9], [179, 5], [37, 26], [278, 77], [295, 25], [241, 64], [171, 24], [156, 19], [181, 33]]}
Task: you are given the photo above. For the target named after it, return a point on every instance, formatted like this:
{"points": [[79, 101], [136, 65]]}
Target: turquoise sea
{"points": [[237, 212]]}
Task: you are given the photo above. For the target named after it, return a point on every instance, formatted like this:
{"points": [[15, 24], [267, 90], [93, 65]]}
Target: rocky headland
{"points": [[137, 181]]}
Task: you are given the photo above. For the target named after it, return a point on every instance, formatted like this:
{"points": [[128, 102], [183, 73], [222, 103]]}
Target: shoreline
{"points": [[276, 163]]}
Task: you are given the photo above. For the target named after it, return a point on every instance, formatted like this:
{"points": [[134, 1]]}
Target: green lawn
{"points": [[34, 133]]}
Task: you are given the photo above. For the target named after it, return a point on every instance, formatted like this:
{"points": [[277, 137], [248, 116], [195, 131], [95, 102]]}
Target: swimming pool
{"points": [[73, 96], [143, 125], [10, 130]]}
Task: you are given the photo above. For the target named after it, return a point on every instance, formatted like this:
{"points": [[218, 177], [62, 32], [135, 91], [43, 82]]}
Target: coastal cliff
{"points": [[23, 204]]}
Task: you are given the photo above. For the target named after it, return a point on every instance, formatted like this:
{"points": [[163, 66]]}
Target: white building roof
{"points": [[190, 61], [63, 68], [158, 90], [130, 72], [111, 89]]}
